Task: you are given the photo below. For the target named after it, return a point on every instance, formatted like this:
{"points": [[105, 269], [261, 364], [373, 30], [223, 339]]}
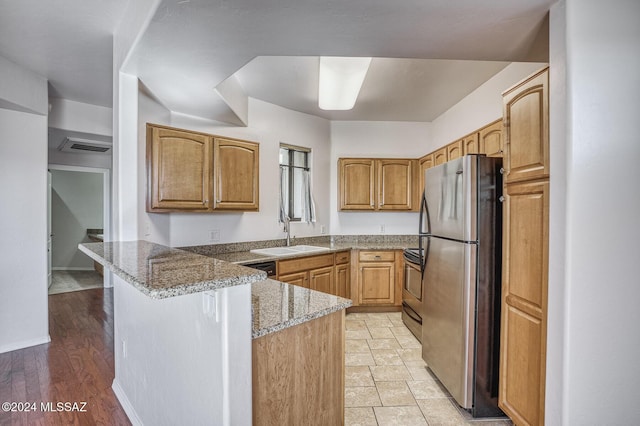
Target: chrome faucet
{"points": [[287, 229]]}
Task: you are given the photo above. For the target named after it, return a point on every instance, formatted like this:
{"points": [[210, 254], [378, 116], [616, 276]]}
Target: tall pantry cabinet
{"points": [[525, 248]]}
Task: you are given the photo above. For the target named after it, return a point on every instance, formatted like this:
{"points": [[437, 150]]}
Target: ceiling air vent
{"points": [[84, 145]]}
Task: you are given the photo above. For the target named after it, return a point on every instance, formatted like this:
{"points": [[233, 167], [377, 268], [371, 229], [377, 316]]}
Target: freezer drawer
{"points": [[448, 315]]}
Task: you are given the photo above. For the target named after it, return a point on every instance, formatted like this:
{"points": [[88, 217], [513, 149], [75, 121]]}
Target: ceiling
{"points": [[191, 46]]}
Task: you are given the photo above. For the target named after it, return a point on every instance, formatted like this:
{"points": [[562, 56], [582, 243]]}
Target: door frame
{"points": [[106, 203]]}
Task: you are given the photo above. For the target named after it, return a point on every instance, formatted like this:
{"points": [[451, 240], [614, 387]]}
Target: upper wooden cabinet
{"points": [[426, 162], [357, 184], [376, 184], [235, 174], [491, 140], [526, 116], [395, 184], [454, 150], [440, 156], [471, 144], [178, 170], [192, 171]]}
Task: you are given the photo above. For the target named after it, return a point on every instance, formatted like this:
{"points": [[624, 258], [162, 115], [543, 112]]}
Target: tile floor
{"points": [[66, 281], [388, 383]]}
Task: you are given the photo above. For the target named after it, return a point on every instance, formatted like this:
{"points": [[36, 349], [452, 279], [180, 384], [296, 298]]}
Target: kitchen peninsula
{"points": [[189, 331]]}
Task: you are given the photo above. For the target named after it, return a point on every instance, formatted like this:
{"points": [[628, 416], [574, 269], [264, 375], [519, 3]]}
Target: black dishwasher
{"points": [[269, 267]]}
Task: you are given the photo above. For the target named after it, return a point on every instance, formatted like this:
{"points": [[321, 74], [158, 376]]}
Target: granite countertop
{"points": [[160, 272], [277, 305], [245, 257]]}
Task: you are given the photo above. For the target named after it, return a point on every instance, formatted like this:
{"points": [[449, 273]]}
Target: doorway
{"points": [[78, 213]]}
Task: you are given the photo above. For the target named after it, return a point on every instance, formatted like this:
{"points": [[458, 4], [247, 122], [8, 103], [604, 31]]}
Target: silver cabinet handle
{"points": [[502, 170]]}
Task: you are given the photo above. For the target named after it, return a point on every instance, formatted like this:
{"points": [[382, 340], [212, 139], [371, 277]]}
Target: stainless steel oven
{"points": [[412, 292]]}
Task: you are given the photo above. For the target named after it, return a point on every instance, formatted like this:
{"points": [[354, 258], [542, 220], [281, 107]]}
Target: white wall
{"points": [[557, 214], [76, 205], [479, 108], [23, 228], [154, 227], [80, 117], [84, 121], [381, 140], [269, 125], [21, 89], [124, 212], [601, 315]]}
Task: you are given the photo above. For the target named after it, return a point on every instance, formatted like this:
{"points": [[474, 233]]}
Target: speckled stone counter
{"points": [[278, 305], [240, 252], [160, 272]]}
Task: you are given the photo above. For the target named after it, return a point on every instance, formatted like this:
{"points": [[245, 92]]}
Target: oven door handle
{"points": [[412, 314]]}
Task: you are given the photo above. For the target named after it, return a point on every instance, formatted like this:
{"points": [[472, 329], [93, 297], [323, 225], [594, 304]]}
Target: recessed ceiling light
{"points": [[340, 81]]}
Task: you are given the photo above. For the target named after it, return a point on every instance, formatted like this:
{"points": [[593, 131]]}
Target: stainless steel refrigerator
{"points": [[460, 233]]}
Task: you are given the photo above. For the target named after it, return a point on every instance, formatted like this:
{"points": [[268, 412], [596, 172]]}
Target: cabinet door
{"points": [[356, 184], [440, 156], [454, 150], [526, 115], [236, 170], [491, 140], [322, 280], [178, 170], [395, 184], [426, 162], [471, 144], [299, 278], [376, 283], [524, 302], [343, 280]]}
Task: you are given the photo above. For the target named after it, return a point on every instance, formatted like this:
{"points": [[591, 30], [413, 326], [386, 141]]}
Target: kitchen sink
{"points": [[287, 251]]}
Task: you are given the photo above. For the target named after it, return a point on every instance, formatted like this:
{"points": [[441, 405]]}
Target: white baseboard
{"points": [[25, 344], [75, 268], [126, 405]]}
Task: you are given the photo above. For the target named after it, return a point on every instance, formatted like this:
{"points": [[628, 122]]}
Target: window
{"points": [[295, 186]]}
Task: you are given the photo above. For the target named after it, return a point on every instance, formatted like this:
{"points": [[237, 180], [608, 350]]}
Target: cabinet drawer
{"points": [[304, 263], [342, 257], [376, 256]]}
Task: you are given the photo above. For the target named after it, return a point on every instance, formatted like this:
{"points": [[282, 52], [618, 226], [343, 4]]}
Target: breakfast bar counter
{"points": [[194, 335]]}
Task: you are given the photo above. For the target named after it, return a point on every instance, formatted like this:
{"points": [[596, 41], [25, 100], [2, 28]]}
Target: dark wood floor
{"points": [[77, 366]]}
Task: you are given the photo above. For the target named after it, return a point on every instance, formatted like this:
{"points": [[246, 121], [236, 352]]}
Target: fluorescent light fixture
{"points": [[340, 81]]}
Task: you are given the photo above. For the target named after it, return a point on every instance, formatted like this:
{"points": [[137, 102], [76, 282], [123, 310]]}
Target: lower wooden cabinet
{"points": [[299, 278], [524, 302], [378, 280], [376, 283], [318, 272], [322, 279], [298, 374], [370, 278], [343, 274]]}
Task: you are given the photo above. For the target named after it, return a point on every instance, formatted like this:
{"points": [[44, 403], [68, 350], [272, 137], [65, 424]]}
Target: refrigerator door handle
{"points": [[425, 256], [424, 214]]}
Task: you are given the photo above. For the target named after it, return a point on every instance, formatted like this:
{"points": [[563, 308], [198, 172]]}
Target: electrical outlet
{"points": [[214, 235], [124, 349], [323, 229], [382, 229], [147, 228]]}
